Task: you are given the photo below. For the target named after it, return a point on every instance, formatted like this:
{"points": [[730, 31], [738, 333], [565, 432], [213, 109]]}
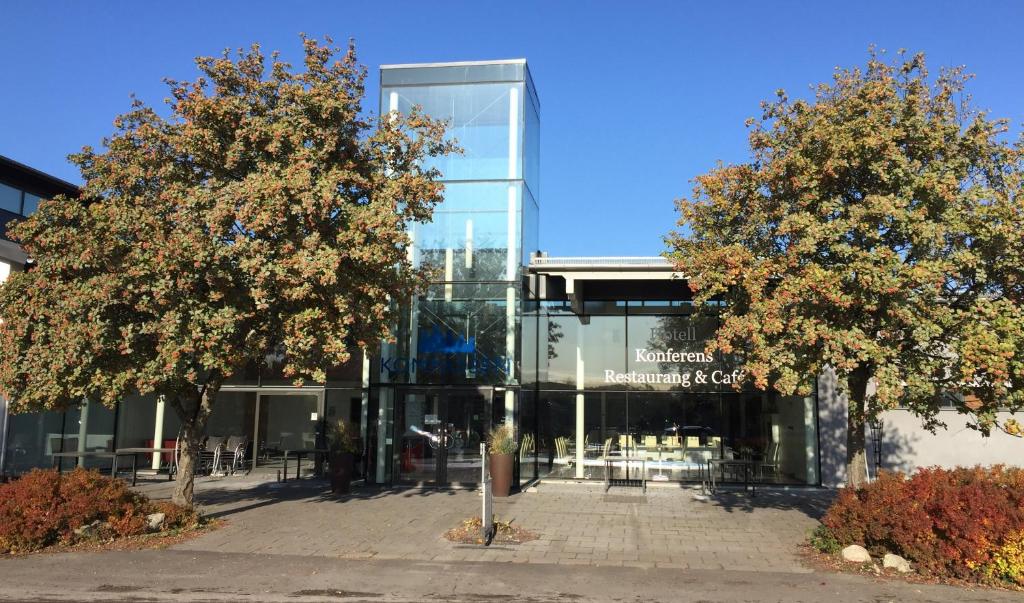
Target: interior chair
{"points": [[650, 442], [625, 444], [672, 441], [525, 447], [771, 458], [606, 453], [562, 456]]}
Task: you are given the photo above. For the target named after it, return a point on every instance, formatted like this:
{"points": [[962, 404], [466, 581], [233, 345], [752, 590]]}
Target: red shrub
{"points": [[949, 522], [175, 516], [44, 507]]}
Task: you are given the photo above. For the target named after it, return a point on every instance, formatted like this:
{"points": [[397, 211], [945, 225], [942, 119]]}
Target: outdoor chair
{"points": [[236, 447], [210, 455]]}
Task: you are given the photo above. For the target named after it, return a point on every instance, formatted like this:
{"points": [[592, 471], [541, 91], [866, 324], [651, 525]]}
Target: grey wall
{"points": [[831, 430], [906, 446]]}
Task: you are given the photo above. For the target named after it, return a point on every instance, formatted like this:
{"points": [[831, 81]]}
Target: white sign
{"points": [[431, 420], [685, 376]]}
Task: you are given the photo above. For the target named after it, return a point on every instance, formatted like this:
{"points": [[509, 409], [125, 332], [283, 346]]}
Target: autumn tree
{"points": [[264, 215], [876, 231]]}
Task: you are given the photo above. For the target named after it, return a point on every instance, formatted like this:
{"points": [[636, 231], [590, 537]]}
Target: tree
{"points": [[266, 215], [877, 231]]}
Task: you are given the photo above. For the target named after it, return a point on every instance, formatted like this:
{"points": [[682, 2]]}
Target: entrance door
{"points": [[439, 432]]}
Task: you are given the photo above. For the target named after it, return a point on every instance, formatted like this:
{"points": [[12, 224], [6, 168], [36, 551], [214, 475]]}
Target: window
{"points": [[31, 204], [10, 198], [18, 201]]}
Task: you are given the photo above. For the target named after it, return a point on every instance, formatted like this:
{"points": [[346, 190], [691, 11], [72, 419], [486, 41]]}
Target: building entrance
{"points": [[438, 434]]}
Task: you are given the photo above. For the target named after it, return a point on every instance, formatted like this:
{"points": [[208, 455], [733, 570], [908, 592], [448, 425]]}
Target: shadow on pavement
{"points": [[812, 503]]}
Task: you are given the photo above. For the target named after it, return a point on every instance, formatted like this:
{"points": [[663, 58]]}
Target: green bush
{"points": [[44, 508], [963, 523], [823, 540]]}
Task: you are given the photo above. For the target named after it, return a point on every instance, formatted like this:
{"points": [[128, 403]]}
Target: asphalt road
{"points": [[205, 576]]}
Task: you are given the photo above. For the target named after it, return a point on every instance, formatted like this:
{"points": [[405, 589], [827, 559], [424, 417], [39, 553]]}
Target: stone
{"points": [[896, 562], [89, 530], [855, 553], [155, 521]]}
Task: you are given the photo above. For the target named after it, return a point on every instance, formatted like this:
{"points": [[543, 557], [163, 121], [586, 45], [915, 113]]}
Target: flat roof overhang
{"points": [[604, 275]]}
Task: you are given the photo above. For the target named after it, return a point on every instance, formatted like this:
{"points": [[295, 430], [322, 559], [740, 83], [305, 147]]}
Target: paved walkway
{"points": [[577, 524]]}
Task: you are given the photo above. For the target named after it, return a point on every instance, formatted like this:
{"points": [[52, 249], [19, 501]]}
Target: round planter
{"points": [[342, 468], [501, 473]]}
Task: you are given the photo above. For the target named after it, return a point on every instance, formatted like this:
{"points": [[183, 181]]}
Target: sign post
{"points": [[487, 513]]}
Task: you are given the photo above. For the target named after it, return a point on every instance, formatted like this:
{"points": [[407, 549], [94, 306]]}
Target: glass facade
{"points": [[633, 380], [465, 332]]}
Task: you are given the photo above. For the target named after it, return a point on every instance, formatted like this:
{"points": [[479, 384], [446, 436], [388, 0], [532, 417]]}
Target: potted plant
{"points": [[341, 451], [502, 449]]}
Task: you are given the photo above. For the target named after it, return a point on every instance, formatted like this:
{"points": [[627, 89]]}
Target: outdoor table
{"points": [[135, 452], [300, 453], [748, 466], [93, 454]]}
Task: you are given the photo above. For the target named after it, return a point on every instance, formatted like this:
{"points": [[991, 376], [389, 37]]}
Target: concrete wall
{"points": [[906, 446], [832, 409]]}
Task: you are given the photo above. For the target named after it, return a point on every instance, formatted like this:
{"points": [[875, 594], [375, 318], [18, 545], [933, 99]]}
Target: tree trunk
{"points": [[188, 458], [193, 415], [856, 450]]}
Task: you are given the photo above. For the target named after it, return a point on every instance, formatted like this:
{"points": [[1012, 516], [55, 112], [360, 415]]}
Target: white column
{"points": [[513, 132], [469, 244], [414, 331], [580, 425], [810, 441], [83, 430], [512, 257], [158, 430], [365, 397], [449, 273], [383, 433]]}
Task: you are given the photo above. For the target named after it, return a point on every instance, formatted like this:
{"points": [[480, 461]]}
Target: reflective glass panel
{"points": [[10, 198]]}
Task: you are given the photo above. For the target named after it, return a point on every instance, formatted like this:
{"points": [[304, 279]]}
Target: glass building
{"points": [[588, 358], [457, 366]]}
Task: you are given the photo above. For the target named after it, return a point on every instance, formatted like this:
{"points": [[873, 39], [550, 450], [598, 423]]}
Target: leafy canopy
{"points": [[265, 215], [877, 230]]}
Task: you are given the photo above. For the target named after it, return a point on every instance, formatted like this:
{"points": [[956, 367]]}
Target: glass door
{"points": [[439, 432], [466, 424], [420, 438]]}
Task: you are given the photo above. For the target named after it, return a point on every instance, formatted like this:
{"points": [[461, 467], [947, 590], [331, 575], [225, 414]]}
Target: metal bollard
{"points": [[487, 529]]}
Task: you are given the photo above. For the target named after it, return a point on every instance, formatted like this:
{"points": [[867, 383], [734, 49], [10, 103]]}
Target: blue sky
{"points": [[636, 98]]}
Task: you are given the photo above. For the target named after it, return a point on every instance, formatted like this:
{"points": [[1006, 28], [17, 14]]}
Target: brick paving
{"points": [[577, 524]]}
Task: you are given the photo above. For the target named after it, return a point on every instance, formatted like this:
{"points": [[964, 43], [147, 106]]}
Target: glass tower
{"points": [[465, 331]]}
